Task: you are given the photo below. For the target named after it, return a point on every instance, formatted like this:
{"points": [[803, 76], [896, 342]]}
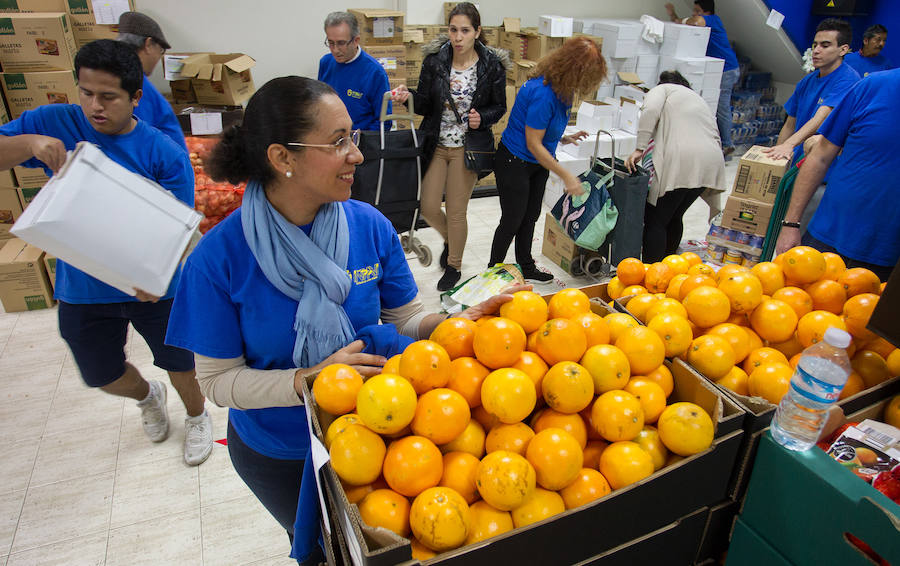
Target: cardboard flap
{"points": [[241, 63], [413, 35], [512, 25], [379, 13], [630, 78], [191, 65], [205, 71], [217, 72], [11, 250]]}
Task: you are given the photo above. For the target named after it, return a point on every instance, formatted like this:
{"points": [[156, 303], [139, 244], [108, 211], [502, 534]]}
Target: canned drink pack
{"points": [[743, 238], [756, 242], [715, 231], [733, 256], [716, 253], [730, 235], [749, 260]]}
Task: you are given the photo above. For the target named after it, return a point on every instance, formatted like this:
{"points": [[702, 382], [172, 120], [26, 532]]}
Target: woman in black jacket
{"points": [[462, 87]]}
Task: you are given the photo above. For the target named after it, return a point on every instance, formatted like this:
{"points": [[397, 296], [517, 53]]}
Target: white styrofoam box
{"points": [[713, 107], [596, 115], [620, 37], [712, 80], [684, 41], [572, 164], [710, 94], [648, 60], [714, 65], [616, 65], [625, 143], [606, 90], [644, 47], [684, 65], [629, 91], [553, 189], [113, 224], [622, 29], [555, 26]]}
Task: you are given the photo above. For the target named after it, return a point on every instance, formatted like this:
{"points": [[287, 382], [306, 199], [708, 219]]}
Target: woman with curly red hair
{"points": [[525, 155]]}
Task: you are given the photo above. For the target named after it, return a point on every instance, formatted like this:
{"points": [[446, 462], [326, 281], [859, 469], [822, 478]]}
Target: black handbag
{"points": [[478, 146]]}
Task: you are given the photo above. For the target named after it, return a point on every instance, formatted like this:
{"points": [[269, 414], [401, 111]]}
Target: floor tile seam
{"points": [[113, 494], [12, 541], [154, 518], [11, 332], [61, 541]]}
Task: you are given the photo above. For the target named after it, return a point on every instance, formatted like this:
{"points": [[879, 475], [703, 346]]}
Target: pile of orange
{"points": [[746, 328], [496, 424]]}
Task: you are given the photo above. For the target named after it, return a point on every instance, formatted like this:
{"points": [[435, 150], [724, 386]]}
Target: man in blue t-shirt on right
{"points": [[869, 59], [359, 80]]}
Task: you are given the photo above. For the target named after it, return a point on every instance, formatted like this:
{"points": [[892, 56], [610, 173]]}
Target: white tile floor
{"points": [[80, 484]]}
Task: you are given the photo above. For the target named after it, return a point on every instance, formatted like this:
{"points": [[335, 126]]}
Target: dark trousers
{"points": [[882, 271], [662, 223], [520, 185]]}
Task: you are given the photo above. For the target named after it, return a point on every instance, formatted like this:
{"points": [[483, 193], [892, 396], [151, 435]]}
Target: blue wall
{"points": [[800, 25]]}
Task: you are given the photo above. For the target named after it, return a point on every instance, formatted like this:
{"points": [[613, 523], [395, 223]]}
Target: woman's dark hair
{"points": [[282, 111], [673, 77], [115, 58], [468, 10]]}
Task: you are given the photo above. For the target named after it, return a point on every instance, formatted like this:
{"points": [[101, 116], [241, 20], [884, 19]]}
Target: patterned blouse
{"points": [[462, 87]]}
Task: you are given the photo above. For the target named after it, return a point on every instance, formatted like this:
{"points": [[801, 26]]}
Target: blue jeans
{"points": [[723, 112]]}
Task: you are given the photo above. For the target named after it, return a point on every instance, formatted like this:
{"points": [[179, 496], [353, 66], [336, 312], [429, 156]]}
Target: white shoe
{"points": [[154, 414], [198, 439]]}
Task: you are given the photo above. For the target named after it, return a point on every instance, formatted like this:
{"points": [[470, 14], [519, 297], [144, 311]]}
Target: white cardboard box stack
{"points": [[555, 26], [684, 41]]}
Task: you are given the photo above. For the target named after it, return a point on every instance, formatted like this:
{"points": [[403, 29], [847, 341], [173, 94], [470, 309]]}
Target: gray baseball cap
{"points": [[143, 25]]}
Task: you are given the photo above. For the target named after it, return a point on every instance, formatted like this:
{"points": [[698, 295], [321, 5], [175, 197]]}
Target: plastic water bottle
{"points": [[815, 386]]}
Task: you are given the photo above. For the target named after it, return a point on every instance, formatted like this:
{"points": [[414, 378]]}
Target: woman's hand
{"points": [[492, 305], [474, 119], [573, 185], [631, 160], [400, 94], [573, 138], [352, 355]]}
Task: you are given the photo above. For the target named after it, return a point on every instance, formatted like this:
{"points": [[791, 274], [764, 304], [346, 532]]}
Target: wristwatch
{"points": [[787, 224]]}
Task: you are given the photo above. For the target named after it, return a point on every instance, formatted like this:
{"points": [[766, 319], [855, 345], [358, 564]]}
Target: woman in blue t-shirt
{"points": [[525, 156], [283, 286]]}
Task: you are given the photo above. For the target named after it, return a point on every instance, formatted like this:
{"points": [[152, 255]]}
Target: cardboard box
{"points": [[13, 6], [557, 246], [555, 26], [537, 46], [197, 120], [596, 115], [748, 548], [519, 71], [414, 40], [746, 215], [220, 79], [36, 42], [491, 35], [516, 43], [684, 41], [24, 285], [27, 91], [4, 116], [391, 57], [50, 264], [620, 37], [758, 176], [28, 178], [10, 210], [86, 29], [378, 26]]}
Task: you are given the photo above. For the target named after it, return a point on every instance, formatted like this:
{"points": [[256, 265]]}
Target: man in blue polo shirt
{"points": [[857, 217], [720, 48], [359, 80], [818, 92], [869, 59], [94, 317], [146, 38]]}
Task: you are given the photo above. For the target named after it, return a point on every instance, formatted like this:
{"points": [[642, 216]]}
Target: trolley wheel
{"points": [[596, 266], [424, 255], [576, 267], [404, 242]]}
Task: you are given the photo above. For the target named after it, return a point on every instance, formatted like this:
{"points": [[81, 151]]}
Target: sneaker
{"points": [[444, 255], [448, 279], [154, 415], [198, 439], [534, 275]]}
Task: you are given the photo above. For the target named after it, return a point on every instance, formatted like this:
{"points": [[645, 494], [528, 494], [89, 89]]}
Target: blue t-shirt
{"points": [[867, 65], [155, 110], [361, 84], [814, 91], [718, 45], [226, 308], [538, 107], [144, 150], [861, 204]]}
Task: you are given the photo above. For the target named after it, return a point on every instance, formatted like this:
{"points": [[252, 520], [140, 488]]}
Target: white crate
{"points": [[555, 26], [684, 41], [625, 144], [712, 80], [631, 92], [596, 115], [620, 37]]}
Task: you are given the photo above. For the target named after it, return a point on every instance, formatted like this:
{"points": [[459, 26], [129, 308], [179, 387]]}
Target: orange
{"points": [[649, 440], [439, 518], [740, 319], [651, 396], [567, 303], [356, 493], [736, 336], [505, 480], [419, 551], [632, 290], [592, 453], [630, 271], [693, 282], [674, 289], [531, 342], [573, 424], [795, 360], [812, 326], [712, 355], [662, 377], [755, 341], [730, 269], [595, 329], [803, 264], [827, 295], [484, 418], [568, 387], [590, 485], [392, 366], [386, 508], [871, 367], [499, 342], [624, 463], [538, 506], [892, 412], [774, 320], [426, 365], [692, 258], [643, 347], [667, 305], [859, 280], [466, 377], [878, 345], [744, 290], [386, 403], [413, 464], [893, 362], [640, 304], [834, 266], [560, 339], [335, 388], [509, 394], [736, 380], [789, 347], [460, 472], [675, 332], [339, 425], [770, 381], [441, 415], [556, 457], [701, 269], [770, 276], [534, 367], [527, 308], [617, 323], [856, 313], [357, 455], [685, 428], [796, 298], [487, 522], [608, 366], [658, 276], [456, 336], [854, 385], [678, 264], [707, 306], [509, 437], [614, 288], [760, 356], [617, 415], [471, 441]]}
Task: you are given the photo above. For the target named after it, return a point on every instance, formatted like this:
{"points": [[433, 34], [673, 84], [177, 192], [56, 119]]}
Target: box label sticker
{"points": [[108, 11], [9, 6], [383, 27], [389, 63], [79, 7], [35, 302], [206, 123], [15, 81], [6, 27]]}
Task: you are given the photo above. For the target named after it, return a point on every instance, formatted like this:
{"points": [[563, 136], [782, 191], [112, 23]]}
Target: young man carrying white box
{"points": [[94, 317]]}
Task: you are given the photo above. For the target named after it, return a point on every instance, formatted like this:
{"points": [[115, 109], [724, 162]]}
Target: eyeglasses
{"points": [[342, 145], [339, 44]]}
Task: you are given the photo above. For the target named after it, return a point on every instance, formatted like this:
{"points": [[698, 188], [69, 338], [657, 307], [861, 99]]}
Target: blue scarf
{"points": [[309, 269]]}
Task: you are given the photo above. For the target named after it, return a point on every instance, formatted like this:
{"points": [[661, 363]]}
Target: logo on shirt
{"points": [[366, 274], [353, 94], [821, 101]]}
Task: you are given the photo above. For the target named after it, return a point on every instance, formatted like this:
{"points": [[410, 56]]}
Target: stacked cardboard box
{"points": [[209, 78], [704, 73], [749, 206]]}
